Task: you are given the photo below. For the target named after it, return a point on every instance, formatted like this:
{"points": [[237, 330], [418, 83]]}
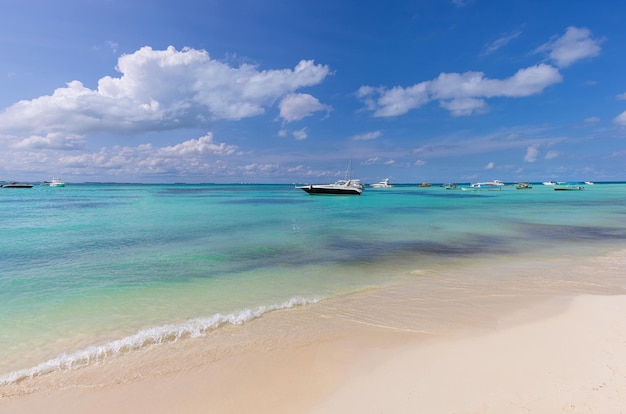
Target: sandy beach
{"points": [[558, 354]]}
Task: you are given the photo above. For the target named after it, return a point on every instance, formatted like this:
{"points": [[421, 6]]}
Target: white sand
{"points": [[574, 362], [537, 360]]}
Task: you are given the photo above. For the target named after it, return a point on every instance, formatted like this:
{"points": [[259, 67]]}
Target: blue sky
{"points": [[270, 91]]}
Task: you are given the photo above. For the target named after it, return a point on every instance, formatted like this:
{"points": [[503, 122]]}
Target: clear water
{"points": [[92, 270]]}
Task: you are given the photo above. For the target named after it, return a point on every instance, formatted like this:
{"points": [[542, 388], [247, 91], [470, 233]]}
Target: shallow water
{"points": [[87, 271]]}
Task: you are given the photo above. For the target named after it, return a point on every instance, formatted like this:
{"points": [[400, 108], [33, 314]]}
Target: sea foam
{"points": [[168, 333]]}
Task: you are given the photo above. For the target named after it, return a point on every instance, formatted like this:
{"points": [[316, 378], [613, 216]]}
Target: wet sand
{"points": [[533, 347]]}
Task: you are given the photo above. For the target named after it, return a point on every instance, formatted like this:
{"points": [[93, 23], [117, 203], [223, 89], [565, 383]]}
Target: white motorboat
{"points": [[382, 184], [350, 186], [549, 183], [56, 182], [495, 185], [341, 187]]}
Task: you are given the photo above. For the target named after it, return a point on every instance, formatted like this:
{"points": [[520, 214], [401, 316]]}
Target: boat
{"points": [[382, 184], [549, 183], [349, 186], [589, 182], [523, 186], [56, 182], [495, 185], [568, 187], [17, 185], [341, 187], [451, 186], [424, 185]]}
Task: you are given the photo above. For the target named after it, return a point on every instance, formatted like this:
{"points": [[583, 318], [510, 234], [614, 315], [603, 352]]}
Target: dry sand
{"points": [[559, 355]]}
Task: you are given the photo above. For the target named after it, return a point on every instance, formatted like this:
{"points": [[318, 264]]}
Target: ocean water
{"points": [[89, 271]]}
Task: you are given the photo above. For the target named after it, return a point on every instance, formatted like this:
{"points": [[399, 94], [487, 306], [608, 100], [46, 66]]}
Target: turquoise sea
{"points": [[92, 270]]}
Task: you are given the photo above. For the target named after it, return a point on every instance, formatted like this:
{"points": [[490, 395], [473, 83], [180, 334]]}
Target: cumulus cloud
{"points": [[490, 166], [193, 157], [161, 89], [576, 44], [460, 93], [47, 142], [621, 96], [188, 156], [294, 107], [532, 153]]}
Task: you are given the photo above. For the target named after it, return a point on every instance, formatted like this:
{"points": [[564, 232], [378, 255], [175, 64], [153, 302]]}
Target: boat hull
{"points": [[569, 188], [17, 186]]}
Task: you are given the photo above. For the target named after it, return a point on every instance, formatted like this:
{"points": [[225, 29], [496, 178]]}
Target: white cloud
{"points": [[187, 156], [193, 157], [294, 107], [372, 161], [490, 166], [591, 120], [501, 42], [575, 44], [532, 153], [460, 93], [300, 134], [621, 96], [367, 136], [464, 106], [50, 141], [620, 119], [160, 89], [550, 155]]}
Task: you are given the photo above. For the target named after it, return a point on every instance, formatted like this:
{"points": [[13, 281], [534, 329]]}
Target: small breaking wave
{"points": [[193, 328]]}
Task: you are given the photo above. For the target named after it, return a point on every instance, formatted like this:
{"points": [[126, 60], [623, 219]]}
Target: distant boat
{"points": [[56, 182], [382, 184], [17, 185], [450, 186], [424, 185], [589, 182], [568, 187], [549, 183], [495, 185], [523, 186], [341, 187]]}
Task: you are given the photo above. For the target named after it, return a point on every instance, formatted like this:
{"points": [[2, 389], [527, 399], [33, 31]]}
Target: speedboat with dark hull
{"points": [[342, 187], [17, 185]]}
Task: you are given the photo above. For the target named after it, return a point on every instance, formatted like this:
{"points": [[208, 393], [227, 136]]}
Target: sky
{"points": [[297, 91]]}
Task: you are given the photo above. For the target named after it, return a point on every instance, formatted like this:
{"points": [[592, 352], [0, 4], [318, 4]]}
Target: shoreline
{"points": [[320, 358]]}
